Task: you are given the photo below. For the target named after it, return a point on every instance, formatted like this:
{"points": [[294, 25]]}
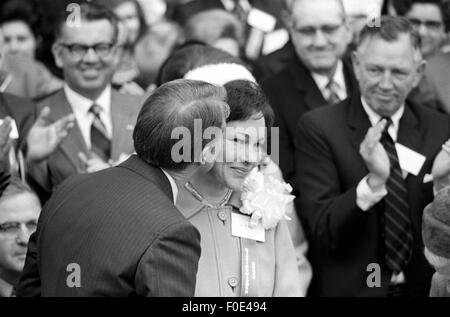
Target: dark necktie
{"points": [[332, 88], [397, 222], [100, 143]]}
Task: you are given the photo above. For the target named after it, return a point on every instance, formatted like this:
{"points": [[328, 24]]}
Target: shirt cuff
{"points": [[366, 197]]}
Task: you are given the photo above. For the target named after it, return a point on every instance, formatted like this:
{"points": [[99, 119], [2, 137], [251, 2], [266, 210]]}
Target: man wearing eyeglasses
{"points": [[19, 213], [316, 76], [100, 120], [431, 20]]}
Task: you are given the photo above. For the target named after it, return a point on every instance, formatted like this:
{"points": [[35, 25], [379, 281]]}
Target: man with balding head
{"points": [[363, 170], [317, 75]]}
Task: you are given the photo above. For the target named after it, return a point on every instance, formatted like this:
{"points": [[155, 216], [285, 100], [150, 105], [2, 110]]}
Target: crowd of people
{"points": [[354, 102]]}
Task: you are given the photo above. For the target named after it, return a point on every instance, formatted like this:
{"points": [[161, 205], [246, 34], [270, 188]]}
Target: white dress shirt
{"points": [[173, 185], [80, 107], [365, 197], [338, 78]]}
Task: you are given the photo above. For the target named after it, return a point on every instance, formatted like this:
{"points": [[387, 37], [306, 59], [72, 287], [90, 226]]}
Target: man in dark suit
{"points": [[117, 232], [362, 194], [267, 66], [101, 119], [316, 76]]}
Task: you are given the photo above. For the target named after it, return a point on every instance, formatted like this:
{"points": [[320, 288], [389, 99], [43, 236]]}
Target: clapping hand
{"points": [[375, 156], [93, 163], [441, 167], [45, 136]]}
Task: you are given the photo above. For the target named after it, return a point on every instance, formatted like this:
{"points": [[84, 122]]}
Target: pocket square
{"points": [[427, 178]]}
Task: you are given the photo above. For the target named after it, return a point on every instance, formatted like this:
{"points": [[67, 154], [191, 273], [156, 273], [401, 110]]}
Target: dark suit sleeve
{"points": [[30, 283], [169, 266], [329, 213]]}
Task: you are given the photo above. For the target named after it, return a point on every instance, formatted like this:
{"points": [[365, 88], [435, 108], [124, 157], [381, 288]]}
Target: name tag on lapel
{"points": [[240, 228], [410, 161], [14, 134]]}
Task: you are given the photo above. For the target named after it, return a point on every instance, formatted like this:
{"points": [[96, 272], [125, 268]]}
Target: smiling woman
{"points": [[239, 260]]}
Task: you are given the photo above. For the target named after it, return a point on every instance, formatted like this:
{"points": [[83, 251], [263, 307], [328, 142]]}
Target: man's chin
{"points": [[323, 65]]}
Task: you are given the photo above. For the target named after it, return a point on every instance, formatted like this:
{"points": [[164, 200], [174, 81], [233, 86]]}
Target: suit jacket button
{"points": [[233, 282], [222, 215]]}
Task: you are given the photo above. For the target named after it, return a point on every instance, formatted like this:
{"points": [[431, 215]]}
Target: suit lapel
{"points": [[74, 141], [357, 120], [304, 82], [410, 134]]}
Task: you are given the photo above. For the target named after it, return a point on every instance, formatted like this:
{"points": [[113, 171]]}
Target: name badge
{"points": [[410, 161], [14, 134], [240, 228]]}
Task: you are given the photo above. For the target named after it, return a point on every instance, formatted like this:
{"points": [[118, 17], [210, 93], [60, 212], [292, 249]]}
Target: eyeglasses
{"points": [[310, 31], [12, 229], [78, 51], [429, 24]]}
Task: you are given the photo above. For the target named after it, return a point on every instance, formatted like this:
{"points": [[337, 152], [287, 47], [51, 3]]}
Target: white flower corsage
{"points": [[265, 198]]}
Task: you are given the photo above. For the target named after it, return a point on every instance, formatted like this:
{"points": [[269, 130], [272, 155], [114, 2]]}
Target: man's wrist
{"points": [[375, 182]]}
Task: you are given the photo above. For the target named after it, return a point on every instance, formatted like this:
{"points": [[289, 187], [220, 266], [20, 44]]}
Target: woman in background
{"points": [[23, 75]]}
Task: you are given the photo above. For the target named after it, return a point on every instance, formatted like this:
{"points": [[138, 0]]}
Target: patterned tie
{"points": [[332, 88], [100, 143], [397, 223]]}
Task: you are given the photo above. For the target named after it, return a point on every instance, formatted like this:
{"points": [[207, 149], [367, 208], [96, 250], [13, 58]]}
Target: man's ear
{"points": [[420, 72], [209, 154], [348, 32], [355, 63], [286, 18], [57, 54]]}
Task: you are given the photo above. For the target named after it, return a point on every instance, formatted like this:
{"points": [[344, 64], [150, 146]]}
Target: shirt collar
{"points": [[5, 288], [81, 104], [375, 118], [338, 77], [173, 185]]}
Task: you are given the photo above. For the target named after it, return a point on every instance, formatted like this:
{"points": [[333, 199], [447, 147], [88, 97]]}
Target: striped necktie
{"points": [[100, 143], [333, 96], [397, 222]]}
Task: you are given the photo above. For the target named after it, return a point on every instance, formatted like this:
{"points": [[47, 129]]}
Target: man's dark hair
{"points": [[88, 12], [175, 105], [246, 99], [389, 29]]}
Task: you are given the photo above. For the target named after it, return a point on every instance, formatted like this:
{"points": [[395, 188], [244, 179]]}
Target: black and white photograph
{"points": [[226, 154]]}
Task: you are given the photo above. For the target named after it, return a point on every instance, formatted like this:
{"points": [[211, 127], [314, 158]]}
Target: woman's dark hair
{"points": [[24, 11], [246, 99], [192, 56]]}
